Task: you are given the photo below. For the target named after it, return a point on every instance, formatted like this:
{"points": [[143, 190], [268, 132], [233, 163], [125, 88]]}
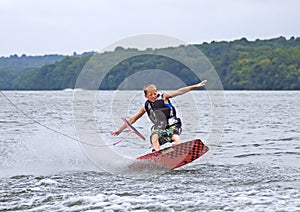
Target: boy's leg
{"points": [[176, 138], [155, 142], [176, 134]]}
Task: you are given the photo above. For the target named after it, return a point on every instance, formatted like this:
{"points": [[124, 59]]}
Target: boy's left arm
{"points": [[184, 90]]}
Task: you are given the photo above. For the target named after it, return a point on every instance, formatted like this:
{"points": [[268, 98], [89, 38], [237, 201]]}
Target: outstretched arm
{"points": [[131, 120], [184, 90]]}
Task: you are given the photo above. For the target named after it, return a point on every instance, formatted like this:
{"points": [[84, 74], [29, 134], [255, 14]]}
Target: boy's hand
{"points": [[115, 132], [202, 83]]}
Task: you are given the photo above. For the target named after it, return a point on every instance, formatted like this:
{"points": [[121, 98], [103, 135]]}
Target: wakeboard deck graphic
{"points": [[172, 157]]}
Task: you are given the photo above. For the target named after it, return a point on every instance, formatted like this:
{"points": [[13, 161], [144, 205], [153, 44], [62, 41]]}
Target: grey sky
{"points": [[38, 27]]}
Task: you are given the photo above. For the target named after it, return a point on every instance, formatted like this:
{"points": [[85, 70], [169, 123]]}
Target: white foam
{"points": [[46, 182]]}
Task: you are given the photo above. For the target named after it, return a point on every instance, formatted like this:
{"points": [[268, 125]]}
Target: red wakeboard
{"points": [[174, 156]]}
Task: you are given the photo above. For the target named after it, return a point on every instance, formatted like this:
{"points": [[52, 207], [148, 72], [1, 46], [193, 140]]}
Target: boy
{"points": [[167, 126]]}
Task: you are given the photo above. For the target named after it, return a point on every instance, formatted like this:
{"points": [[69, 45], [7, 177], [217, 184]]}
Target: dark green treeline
{"points": [[272, 64]]}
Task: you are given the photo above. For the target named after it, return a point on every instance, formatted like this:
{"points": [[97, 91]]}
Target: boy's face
{"points": [[151, 95]]}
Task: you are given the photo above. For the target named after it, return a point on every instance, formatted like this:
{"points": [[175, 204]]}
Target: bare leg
{"points": [[155, 142], [176, 138]]}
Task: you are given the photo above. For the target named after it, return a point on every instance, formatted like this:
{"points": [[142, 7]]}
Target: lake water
{"points": [[255, 166]]}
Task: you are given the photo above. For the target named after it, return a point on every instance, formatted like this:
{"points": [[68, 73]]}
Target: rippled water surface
{"points": [[254, 168]]}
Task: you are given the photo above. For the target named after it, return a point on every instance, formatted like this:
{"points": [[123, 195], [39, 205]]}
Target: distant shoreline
{"points": [[240, 65]]}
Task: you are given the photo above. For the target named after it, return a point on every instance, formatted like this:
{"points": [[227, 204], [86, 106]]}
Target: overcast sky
{"points": [[38, 27]]}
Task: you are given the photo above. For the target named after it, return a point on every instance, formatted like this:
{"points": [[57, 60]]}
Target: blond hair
{"points": [[149, 88]]}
